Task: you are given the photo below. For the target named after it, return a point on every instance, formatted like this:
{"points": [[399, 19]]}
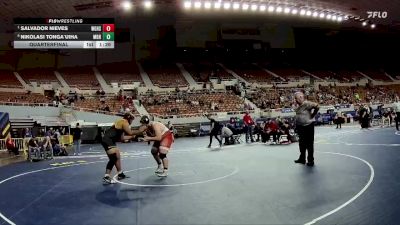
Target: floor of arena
{"points": [[356, 180]]}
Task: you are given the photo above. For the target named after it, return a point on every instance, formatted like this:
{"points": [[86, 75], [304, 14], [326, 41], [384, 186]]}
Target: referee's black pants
{"points": [[397, 120], [214, 133], [306, 142]]}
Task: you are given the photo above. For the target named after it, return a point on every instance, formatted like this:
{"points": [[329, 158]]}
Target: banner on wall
{"points": [[285, 110], [345, 106]]}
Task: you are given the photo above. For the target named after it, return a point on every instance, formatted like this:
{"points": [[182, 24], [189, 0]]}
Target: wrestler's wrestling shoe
{"points": [[163, 174], [122, 176], [108, 180], [159, 170]]}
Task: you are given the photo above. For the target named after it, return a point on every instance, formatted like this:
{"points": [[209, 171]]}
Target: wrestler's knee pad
{"points": [[112, 160]]}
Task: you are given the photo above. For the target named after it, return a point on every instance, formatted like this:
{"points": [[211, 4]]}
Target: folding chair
{"points": [[376, 122], [237, 138], [385, 120], [283, 139], [48, 152], [34, 154]]}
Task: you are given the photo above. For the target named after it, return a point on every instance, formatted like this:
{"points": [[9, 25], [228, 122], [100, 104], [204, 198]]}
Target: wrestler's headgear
{"points": [[145, 120]]}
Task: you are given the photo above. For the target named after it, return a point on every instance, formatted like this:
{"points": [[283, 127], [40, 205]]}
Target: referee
{"points": [[396, 107], [305, 113]]}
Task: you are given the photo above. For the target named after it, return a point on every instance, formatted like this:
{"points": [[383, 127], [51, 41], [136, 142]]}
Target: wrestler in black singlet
{"points": [[113, 135]]}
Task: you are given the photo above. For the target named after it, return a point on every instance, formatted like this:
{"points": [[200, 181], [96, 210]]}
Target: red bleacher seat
{"points": [[164, 105], [252, 73], [121, 73], [202, 72], [166, 76], [23, 98], [80, 77], [377, 75], [39, 75], [94, 104], [289, 73], [8, 80]]}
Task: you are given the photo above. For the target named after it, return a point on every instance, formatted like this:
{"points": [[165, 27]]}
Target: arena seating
{"points": [[323, 74], [271, 98], [94, 104], [39, 75], [202, 72], [382, 94], [166, 76], [23, 98], [326, 95], [219, 72], [377, 75], [80, 77], [193, 103], [121, 73], [348, 75], [289, 73], [8, 80], [252, 73], [90, 103], [394, 73]]}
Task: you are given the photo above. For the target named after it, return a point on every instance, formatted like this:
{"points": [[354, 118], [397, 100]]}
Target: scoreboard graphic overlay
{"points": [[45, 33]]}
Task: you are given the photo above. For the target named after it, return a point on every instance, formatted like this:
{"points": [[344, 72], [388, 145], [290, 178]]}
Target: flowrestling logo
{"points": [[377, 14]]}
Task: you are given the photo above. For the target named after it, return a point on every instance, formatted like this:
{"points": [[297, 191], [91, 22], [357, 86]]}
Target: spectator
{"points": [[271, 128], [50, 132], [396, 107], [285, 130], [339, 119], [248, 126], [33, 143], [11, 147], [363, 115], [386, 117], [58, 149], [57, 95], [28, 133], [172, 128], [258, 131], [77, 139], [227, 134], [34, 148], [57, 136], [46, 144], [169, 125]]}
